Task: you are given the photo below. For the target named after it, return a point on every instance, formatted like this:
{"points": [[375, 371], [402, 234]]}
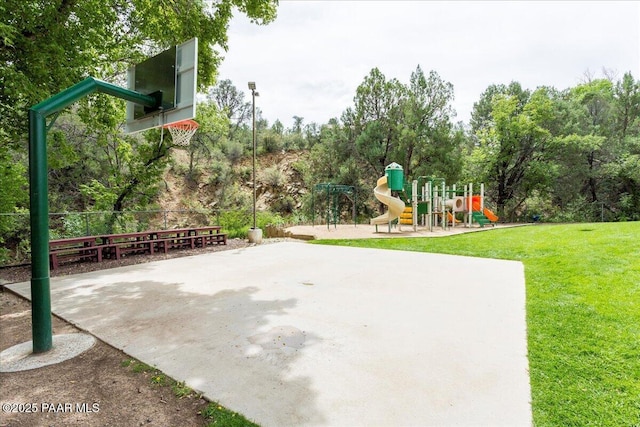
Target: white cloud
{"points": [[310, 61]]}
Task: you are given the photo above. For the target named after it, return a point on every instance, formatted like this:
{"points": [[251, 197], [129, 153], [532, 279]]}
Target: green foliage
{"points": [[13, 191], [74, 225], [233, 150], [13, 200], [181, 390], [139, 367], [512, 147], [273, 176], [219, 169], [237, 223], [583, 309], [217, 415], [377, 111], [60, 153], [265, 218], [93, 166], [103, 198], [103, 36], [271, 142], [284, 205]]}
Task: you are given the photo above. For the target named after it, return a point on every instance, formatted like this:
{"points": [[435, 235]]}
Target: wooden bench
{"points": [[218, 238], [116, 245], [74, 249], [181, 242], [211, 235], [116, 250], [96, 248], [188, 238]]}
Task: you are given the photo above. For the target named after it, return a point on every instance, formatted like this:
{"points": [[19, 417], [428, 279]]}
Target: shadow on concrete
{"points": [[227, 344]]}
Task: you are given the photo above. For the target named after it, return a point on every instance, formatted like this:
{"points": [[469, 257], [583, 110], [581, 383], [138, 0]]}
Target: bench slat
{"points": [[115, 245]]}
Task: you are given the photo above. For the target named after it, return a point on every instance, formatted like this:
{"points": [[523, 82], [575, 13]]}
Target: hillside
{"points": [[280, 185]]}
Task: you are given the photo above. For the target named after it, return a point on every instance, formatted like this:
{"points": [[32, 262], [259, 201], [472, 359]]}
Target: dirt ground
{"points": [[94, 388]]}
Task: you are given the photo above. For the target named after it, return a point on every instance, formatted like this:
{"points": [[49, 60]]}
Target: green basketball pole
{"points": [[38, 195]]}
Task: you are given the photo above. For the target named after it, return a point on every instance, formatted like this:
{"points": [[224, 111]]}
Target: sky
{"points": [[311, 59]]}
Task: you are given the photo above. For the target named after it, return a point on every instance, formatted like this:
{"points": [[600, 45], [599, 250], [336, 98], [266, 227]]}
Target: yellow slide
{"points": [[396, 206]]}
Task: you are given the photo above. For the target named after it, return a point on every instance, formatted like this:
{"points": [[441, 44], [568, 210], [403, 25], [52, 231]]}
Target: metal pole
{"points": [[39, 201], [253, 97], [39, 209]]}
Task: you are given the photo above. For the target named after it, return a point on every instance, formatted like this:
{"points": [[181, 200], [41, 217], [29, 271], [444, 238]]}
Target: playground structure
{"points": [[333, 193], [429, 202]]}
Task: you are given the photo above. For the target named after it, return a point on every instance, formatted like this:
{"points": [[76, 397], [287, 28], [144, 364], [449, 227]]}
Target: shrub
{"points": [[271, 143], [233, 150], [273, 176], [285, 204], [264, 218], [244, 173], [220, 172], [236, 223]]}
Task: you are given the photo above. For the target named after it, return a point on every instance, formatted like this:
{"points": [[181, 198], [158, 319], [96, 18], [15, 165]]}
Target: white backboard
{"points": [[185, 73]]}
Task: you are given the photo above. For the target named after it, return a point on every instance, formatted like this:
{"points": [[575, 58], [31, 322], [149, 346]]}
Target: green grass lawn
{"points": [[583, 313]]}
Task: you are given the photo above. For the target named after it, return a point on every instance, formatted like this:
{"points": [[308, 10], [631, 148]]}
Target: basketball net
{"points": [[182, 131]]}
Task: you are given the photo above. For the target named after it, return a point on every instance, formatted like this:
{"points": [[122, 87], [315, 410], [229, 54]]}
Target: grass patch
{"points": [[214, 414], [583, 313], [217, 415]]}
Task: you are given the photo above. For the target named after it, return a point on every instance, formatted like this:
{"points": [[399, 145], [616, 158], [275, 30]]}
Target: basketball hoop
{"points": [[182, 131]]}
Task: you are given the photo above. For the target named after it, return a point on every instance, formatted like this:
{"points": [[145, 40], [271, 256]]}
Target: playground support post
{"points": [[429, 199], [453, 212], [443, 198], [470, 204], [414, 204], [467, 201], [39, 201]]}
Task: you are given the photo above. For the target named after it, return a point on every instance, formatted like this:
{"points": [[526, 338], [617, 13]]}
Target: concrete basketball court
{"points": [[293, 334]]}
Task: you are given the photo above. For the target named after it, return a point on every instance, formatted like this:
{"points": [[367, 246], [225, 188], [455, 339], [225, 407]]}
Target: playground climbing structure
{"points": [[429, 202], [333, 193]]}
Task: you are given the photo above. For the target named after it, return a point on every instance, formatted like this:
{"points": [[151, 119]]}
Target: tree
{"points": [[627, 104], [426, 144], [594, 104], [297, 124], [12, 198], [230, 100], [481, 113], [377, 111], [513, 146], [46, 47]]}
